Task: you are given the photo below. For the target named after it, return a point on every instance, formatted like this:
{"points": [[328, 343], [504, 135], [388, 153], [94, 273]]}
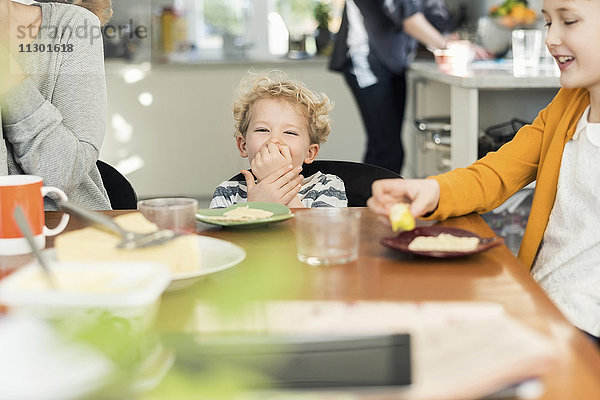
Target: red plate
{"points": [[402, 241]]}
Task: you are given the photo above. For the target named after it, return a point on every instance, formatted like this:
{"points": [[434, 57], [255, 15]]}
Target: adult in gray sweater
{"points": [[53, 98]]}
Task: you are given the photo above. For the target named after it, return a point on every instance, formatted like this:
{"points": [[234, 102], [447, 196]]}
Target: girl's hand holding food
{"points": [[421, 194]]}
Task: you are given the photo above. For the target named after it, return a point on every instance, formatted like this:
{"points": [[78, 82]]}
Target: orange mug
{"points": [[25, 191]]}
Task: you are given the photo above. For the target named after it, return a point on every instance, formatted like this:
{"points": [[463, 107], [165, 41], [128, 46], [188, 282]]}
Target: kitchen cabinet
{"points": [[487, 94]]}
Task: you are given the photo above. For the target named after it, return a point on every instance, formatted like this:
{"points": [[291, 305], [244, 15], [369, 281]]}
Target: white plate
{"points": [[215, 255]]}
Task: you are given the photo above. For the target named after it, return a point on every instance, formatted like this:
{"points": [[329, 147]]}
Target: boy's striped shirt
{"points": [[318, 190]]}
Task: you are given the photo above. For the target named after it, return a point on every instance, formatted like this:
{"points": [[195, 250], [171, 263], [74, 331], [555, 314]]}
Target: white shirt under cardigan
{"points": [[568, 264]]}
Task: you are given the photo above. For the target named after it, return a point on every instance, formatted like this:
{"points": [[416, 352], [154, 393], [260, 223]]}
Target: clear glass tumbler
{"points": [[526, 47], [175, 213], [327, 236]]}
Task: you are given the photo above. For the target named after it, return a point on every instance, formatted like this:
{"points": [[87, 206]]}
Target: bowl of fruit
{"points": [[493, 37], [494, 30], [513, 14]]}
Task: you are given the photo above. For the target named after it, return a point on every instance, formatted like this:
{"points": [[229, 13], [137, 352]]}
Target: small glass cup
{"points": [[456, 58], [175, 213], [526, 47], [327, 236]]}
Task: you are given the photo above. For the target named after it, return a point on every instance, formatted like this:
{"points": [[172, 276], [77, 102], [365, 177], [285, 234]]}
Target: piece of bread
{"points": [[181, 254], [444, 242]]}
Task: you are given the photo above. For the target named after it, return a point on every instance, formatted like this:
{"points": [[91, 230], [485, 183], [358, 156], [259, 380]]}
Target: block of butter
{"points": [[181, 255]]}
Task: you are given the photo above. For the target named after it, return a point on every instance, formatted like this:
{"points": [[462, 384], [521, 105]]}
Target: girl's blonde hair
{"points": [[276, 85], [102, 8]]}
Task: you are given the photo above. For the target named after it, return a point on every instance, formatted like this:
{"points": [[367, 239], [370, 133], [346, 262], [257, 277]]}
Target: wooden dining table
{"points": [[385, 275]]}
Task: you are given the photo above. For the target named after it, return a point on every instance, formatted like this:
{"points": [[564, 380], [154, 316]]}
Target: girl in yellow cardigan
{"points": [[560, 150]]}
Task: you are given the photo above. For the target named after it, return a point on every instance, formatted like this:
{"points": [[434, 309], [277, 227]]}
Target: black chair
{"points": [[120, 192], [357, 177]]}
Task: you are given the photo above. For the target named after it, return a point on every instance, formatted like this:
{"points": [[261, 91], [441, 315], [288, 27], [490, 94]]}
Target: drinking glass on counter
{"points": [[526, 47], [455, 58]]}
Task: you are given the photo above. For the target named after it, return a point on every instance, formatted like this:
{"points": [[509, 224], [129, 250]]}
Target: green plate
{"points": [[280, 213]]}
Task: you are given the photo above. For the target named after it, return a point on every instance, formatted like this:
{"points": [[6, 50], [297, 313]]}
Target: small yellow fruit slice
{"points": [[401, 218]]}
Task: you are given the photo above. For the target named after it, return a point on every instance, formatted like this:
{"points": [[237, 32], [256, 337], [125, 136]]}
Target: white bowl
{"points": [[39, 363], [127, 289], [494, 37]]}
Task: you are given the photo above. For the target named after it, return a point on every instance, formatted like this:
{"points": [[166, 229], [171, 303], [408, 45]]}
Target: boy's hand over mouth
{"points": [[281, 186], [295, 203], [272, 157]]}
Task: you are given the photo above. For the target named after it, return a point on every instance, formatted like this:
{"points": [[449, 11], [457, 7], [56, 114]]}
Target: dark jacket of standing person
{"points": [[373, 52]]}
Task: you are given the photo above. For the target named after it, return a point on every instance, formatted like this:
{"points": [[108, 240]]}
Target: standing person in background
{"points": [[53, 95], [376, 42]]}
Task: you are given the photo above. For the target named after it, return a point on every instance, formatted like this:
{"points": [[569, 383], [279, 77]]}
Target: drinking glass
{"points": [[175, 213], [327, 235]]}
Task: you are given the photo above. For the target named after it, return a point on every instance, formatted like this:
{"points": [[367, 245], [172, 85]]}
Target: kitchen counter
{"points": [[118, 65], [465, 102], [494, 74]]}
